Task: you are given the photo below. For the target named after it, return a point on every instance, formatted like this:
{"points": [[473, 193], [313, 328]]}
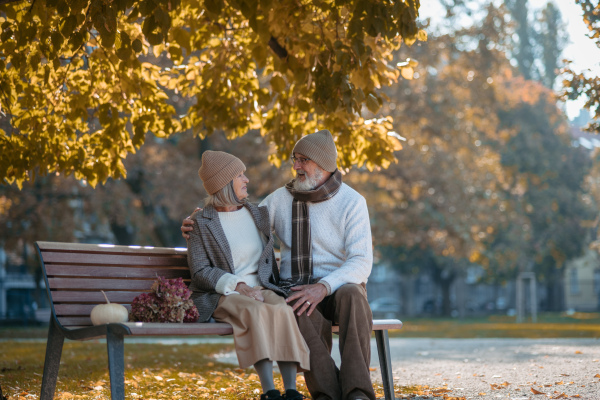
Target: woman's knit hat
{"points": [[218, 169], [320, 148]]}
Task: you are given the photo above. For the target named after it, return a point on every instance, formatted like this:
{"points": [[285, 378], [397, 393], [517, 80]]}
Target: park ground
{"points": [[485, 358]]}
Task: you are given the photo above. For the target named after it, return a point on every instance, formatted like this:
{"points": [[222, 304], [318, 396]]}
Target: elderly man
{"points": [[326, 256]]}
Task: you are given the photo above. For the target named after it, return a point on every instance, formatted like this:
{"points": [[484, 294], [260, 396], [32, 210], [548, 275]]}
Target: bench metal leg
{"points": [[385, 363], [54, 346], [116, 363]]}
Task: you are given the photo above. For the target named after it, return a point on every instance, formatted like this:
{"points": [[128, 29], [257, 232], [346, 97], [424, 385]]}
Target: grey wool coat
{"points": [[209, 257]]}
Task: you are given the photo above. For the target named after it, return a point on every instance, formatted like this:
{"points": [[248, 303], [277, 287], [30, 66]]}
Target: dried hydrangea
{"points": [[169, 301]]}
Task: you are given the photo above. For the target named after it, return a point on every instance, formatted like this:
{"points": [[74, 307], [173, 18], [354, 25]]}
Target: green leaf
{"points": [[57, 40], [182, 37], [278, 83], [259, 52], [137, 45], [124, 53], [214, 6], [125, 40], [372, 103], [69, 25]]}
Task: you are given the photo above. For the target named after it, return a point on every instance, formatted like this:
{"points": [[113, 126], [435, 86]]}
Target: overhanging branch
{"points": [[276, 47], [9, 1]]}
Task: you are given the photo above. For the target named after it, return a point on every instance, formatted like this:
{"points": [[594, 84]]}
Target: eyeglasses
{"points": [[301, 160]]}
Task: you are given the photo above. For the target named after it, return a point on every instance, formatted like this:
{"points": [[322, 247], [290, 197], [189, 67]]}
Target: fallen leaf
{"points": [[597, 376], [559, 383], [561, 396], [372, 369], [536, 391], [578, 352], [575, 395]]}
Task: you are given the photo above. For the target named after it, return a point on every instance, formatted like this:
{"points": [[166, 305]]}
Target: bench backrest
{"points": [[76, 273]]}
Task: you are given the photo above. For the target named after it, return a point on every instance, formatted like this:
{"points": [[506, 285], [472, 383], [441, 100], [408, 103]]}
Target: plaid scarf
{"points": [[302, 266]]}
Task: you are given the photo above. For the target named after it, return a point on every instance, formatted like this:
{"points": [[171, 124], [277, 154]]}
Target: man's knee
{"points": [[351, 292]]}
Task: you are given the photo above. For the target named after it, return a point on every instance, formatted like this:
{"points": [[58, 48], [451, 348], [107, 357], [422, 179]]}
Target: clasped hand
{"points": [[251, 292]]}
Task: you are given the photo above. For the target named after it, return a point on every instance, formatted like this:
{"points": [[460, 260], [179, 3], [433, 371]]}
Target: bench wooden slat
{"points": [[109, 248], [114, 259], [82, 297], [101, 284], [117, 272], [160, 329], [63, 310], [75, 321]]}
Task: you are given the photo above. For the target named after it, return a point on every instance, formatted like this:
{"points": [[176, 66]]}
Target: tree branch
{"points": [[277, 48], [9, 1]]}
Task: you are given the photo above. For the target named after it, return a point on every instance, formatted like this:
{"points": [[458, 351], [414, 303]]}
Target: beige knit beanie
{"points": [[218, 169], [320, 148]]}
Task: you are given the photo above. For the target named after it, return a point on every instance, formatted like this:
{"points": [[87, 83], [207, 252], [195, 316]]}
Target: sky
{"points": [[580, 49]]}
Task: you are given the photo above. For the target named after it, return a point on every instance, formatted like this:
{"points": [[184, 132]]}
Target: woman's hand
{"points": [[187, 225], [246, 290]]}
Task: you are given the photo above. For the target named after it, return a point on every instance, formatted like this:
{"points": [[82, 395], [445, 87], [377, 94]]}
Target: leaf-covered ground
{"points": [[153, 371]]}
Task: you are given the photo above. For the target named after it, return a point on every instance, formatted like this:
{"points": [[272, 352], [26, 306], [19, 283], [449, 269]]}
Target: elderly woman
{"points": [[235, 276]]}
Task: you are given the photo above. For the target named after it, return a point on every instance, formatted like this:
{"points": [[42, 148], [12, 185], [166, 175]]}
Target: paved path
{"points": [[500, 368], [492, 368]]}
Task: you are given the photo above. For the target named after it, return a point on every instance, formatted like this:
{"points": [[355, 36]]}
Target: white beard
{"points": [[309, 183]]}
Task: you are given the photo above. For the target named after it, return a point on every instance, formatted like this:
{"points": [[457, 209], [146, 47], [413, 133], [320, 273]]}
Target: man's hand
{"points": [[246, 290], [187, 225], [308, 297]]}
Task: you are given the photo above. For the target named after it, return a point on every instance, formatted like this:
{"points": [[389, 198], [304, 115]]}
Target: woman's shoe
{"points": [[271, 395], [292, 394]]}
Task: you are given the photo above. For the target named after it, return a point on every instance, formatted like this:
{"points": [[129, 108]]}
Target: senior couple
{"points": [[285, 313]]}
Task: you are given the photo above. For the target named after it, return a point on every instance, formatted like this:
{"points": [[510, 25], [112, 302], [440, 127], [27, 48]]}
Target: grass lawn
{"points": [[548, 325]]}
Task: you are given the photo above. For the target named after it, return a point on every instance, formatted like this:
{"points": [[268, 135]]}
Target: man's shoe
{"points": [[292, 394], [271, 395]]}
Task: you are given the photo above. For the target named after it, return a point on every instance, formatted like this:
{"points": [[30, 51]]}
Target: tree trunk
{"points": [[446, 302], [124, 234], [555, 299]]}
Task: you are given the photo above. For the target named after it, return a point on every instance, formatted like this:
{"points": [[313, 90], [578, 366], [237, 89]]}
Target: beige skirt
{"points": [[263, 330]]}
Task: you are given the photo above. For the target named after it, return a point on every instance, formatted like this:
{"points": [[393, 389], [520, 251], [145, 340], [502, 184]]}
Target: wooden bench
{"points": [[75, 274]]}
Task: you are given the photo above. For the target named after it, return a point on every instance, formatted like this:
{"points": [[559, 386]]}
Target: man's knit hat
{"points": [[218, 169], [320, 148]]}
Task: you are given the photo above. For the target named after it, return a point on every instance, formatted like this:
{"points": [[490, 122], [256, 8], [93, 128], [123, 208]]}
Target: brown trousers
{"points": [[348, 308]]}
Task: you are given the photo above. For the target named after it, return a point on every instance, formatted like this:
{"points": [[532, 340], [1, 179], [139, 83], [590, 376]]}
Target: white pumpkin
{"points": [[108, 313]]}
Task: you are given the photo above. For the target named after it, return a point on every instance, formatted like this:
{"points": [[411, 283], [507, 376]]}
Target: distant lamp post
{"points": [[521, 300]]}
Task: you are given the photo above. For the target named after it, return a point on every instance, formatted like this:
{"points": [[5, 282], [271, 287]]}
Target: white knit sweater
{"points": [[340, 231], [246, 244]]}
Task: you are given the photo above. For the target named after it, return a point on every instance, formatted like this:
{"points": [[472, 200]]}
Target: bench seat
{"points": [[76, 273]]}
